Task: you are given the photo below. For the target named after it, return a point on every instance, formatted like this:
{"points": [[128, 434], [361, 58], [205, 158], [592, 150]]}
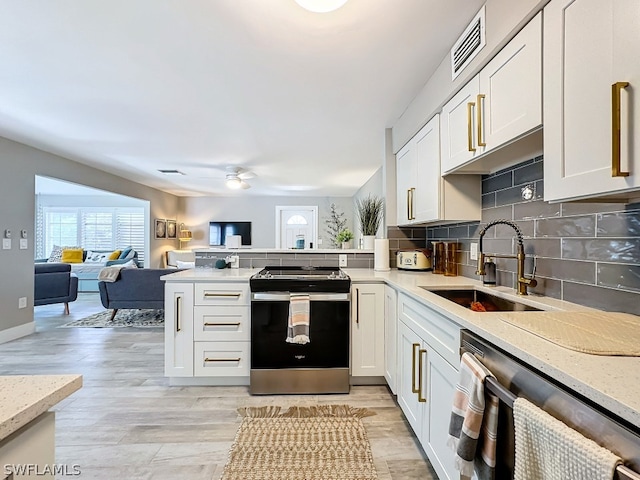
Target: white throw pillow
{"points": [[130, 264], [181, 264], [97, 257]]}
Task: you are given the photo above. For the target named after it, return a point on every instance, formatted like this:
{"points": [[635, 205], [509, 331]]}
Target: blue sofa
{"points": [[54, 283], [134, 288]]}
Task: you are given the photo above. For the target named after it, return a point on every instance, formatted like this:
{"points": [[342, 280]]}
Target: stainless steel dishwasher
{"points": [[514, 379]]}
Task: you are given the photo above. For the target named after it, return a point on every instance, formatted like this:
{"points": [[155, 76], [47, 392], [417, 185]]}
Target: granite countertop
{"points": [[25, 397], [610, 381]]}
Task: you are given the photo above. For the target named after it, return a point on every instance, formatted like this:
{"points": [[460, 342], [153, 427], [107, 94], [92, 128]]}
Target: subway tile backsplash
{"points": [[585, 253]]}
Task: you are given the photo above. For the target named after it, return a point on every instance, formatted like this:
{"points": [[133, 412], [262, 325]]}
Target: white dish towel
{"points": [[547, 449]]}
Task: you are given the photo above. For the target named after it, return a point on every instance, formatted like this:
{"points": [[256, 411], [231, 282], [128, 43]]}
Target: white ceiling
{"points": [[301, 99]]}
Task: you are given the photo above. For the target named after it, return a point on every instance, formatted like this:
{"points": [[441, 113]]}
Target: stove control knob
{"points": [[332, 275]]}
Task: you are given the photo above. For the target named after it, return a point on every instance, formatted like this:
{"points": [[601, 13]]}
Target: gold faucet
{"points": [[522, 281]]}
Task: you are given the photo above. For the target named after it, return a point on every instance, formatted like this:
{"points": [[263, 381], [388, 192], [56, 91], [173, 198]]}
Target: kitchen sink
{"points": [[490, 303]]}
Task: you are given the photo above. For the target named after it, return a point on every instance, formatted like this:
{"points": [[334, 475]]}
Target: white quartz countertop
{"points": [[25, 397], [612, 382], [231, 251]]}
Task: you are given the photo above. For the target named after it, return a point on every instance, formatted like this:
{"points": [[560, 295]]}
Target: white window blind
{"points": [[95, 228]]}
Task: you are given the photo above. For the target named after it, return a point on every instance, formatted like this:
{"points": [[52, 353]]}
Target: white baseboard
{"points": [[17, 332]]}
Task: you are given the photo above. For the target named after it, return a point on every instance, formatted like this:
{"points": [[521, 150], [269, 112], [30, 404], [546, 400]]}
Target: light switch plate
{"points": [[24, 244], [473, 251], [6, 244]]}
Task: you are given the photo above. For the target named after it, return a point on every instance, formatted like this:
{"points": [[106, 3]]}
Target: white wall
{"points": [[20, 164], [197, 212]]}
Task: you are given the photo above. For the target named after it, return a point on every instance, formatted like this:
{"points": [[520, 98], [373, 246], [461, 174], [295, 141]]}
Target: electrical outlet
{"points": [[342, 260], [473, 253], [22, 302]]}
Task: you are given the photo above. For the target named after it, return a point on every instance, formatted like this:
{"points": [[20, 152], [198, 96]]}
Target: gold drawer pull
{"points": [[413, 367], [207, 359], [616, 88], [230, 324], [222, 295]]}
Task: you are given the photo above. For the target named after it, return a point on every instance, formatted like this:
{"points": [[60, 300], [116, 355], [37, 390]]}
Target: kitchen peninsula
{"points": [[27, 427]]}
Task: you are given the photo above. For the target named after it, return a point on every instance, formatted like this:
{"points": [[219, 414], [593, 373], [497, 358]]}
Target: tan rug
{"points": [[303, 443]]}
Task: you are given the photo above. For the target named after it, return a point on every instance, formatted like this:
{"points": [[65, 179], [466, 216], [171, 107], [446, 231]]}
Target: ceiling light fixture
{"points": [[233, 181], [321, 6]]}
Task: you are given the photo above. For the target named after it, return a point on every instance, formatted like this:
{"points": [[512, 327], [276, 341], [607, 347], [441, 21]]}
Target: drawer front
{"points": [[221, 359], [224, 323], [442, 334], [222, 294]]}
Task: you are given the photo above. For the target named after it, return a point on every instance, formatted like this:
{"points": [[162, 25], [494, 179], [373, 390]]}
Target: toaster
{"points": [[417, 259]]}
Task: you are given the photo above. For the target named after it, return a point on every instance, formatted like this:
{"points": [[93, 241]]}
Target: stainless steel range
{"points": [[320, 366]]}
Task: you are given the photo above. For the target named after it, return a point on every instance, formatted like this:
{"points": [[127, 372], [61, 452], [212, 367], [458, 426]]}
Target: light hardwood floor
{"points": [[128, 423]]}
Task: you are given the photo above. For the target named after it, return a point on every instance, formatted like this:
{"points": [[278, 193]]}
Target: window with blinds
{"points": [[104, 228]]}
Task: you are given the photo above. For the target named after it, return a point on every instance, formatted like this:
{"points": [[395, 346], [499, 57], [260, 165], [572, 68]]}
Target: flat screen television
{"points": [[218, 232]]}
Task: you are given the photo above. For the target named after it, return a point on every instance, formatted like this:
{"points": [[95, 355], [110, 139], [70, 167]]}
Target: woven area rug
{"points": [[303, 443], [124, 318]]}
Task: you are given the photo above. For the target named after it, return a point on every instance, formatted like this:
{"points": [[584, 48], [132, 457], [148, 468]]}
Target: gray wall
{"points": [[197, 212], [587, 253], [20, 164]]}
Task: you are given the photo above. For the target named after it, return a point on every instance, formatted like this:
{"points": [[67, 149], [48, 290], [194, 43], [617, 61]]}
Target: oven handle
{"points": [[314, 297]]}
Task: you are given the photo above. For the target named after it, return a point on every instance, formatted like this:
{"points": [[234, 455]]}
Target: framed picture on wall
{"points": [[171, 229], [161, 228]]}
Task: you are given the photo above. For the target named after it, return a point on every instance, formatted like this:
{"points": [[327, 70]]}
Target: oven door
{"points": [[329, 320]]}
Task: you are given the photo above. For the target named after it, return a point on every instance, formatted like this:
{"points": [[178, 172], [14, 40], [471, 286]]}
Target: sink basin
{"points": [[491, 303]]}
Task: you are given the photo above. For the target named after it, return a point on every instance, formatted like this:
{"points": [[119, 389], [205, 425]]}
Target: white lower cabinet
{"points": [[207, 331], [427, 343], [391, 337], [367, 330], [178, 329]]}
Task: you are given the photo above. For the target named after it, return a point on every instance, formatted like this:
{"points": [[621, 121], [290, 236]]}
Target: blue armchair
{"points": [[54, 283]]}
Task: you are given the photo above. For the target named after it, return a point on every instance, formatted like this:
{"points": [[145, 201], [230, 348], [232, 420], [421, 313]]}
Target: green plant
{"points": [[344, 235], [370, 210], [335, 224]]}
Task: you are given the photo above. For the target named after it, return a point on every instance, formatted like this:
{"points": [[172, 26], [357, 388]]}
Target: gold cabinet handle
{"points": [[408, 204], [230, 324], [413, 367], [178, 309], [616, 88], [231, 295], [413, 191], [480, 100], [209, 360], [470, 106], [421, 399]]}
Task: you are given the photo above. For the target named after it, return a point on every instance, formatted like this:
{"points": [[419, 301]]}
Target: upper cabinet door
{"points": [[405, 182], [426, 198], [509, 104], [458, 127], [591, 116]]}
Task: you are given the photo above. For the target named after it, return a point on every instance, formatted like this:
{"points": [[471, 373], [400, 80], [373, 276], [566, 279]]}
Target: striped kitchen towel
{"points": [[298, 324], [474, 423]]}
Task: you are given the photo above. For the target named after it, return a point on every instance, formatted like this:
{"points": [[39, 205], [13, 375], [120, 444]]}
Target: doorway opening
{"points": [[296, 227]]}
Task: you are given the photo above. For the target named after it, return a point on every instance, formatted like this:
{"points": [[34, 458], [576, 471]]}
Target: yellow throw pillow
{"points": [[115, 255], [71, 255]]}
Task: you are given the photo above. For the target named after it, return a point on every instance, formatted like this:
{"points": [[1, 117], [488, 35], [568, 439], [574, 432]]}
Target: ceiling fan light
{"points": [[233, 182], [321, 6]]}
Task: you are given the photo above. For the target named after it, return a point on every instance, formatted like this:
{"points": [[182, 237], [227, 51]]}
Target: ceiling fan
{"points": [[236, 176]]}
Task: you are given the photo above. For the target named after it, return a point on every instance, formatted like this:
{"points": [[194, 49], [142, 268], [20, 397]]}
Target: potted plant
{"points": [[369, 211], [344, 237]]}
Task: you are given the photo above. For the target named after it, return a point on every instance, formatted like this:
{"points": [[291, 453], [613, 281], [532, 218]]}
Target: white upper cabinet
{"points": [[499, 105], [423, 196], [591, 113]]}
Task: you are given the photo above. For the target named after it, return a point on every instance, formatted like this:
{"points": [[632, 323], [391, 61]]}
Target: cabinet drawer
{"points": [[221, 323], [438, 331], [221, 359], [222, 294]]}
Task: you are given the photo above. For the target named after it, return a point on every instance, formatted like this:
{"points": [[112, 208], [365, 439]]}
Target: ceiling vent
{"points": [[468, 45]]}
